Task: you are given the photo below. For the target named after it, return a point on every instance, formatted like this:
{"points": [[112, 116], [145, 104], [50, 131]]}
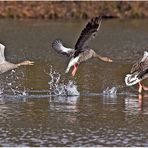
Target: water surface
{"points": [[32, 114]]}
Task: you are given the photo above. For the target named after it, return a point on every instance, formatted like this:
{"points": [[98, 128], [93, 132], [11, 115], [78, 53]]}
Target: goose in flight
{"points": [[81, 51], [138, 72], [5, 65]]}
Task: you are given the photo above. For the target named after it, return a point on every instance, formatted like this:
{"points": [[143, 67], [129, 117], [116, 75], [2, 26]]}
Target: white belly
{"points": [[72, 62]]}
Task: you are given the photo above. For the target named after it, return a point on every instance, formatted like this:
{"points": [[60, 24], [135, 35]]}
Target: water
{"points": [[61, 89], [40, 105]]}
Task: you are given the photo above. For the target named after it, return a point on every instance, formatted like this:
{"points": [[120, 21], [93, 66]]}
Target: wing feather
{"points": [[88, 33], [141, 65], [59, 48]]}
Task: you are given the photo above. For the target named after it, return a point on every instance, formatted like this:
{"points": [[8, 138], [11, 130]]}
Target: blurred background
{"points": [[71, 10]]}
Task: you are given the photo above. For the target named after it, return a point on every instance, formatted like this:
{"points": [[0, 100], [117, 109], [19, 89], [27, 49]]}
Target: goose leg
{"points": [[74, 69], [140, 88], [140, 101]]}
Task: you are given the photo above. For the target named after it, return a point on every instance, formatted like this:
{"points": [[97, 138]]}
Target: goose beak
{"points": [[110, 60], [106, 59], [75, 67]]}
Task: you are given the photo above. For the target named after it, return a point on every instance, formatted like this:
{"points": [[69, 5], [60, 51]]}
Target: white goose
{"points": [[81, 52], [138, 73], [5, 65]]}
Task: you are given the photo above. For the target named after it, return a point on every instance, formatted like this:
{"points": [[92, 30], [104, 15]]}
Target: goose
{"points": [[81, 51], [138, 73], [5, 65]]}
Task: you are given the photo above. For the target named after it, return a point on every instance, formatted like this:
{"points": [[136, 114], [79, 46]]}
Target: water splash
{"points": [[69, 89], [58, 88], [12, 84], [110, 91], [110, 95]]}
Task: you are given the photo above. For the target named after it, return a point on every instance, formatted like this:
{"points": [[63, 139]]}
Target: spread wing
{"points": [[2, 57], [59, 48], [141, 65], [88, 33]]}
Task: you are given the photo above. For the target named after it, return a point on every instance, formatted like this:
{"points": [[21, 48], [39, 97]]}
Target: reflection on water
{"points": [[133, 105], [68, 104], [40, 105]]}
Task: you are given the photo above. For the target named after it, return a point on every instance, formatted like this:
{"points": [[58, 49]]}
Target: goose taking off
{"points": [[5, 66], [138, 72], [81, 52]]}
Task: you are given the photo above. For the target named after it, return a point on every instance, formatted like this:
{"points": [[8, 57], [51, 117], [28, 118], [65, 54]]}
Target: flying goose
{"points": [[5, 65], [138, 73], [81, 52]]}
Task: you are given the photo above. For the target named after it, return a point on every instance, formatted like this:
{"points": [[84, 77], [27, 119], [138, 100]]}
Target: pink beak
{"points": [[74, 70]]}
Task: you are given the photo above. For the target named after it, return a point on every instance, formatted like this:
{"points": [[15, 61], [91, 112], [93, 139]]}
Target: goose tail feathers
{"points": [[131, 79]]}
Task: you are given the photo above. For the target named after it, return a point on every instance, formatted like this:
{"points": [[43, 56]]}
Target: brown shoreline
{"points": [[72, 10]]}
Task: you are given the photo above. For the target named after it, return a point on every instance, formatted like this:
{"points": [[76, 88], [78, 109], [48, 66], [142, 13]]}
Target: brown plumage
{"points": [[81, 52], [139, 72]]}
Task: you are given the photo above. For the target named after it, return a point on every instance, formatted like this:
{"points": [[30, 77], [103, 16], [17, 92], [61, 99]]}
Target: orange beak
{"points": [[75, 67]]}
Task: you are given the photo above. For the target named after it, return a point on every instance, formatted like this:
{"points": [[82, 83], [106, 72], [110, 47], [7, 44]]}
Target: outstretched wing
{"points": [[59, 48], [88, 33], [2, 57], [142, 64]]}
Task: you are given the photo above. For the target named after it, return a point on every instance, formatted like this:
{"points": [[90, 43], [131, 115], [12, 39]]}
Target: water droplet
{"points": [[58, 88], [110, 91], [9, 84]]}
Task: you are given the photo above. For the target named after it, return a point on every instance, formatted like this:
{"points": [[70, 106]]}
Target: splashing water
{"points": [[69, 89], [62, 89], [12, 85], [110, 91]]}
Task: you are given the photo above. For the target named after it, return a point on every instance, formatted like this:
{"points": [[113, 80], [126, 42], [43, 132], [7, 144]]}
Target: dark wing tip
{"points": [[95, 22], [96, 19], [93, 25], [88, 32]]}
